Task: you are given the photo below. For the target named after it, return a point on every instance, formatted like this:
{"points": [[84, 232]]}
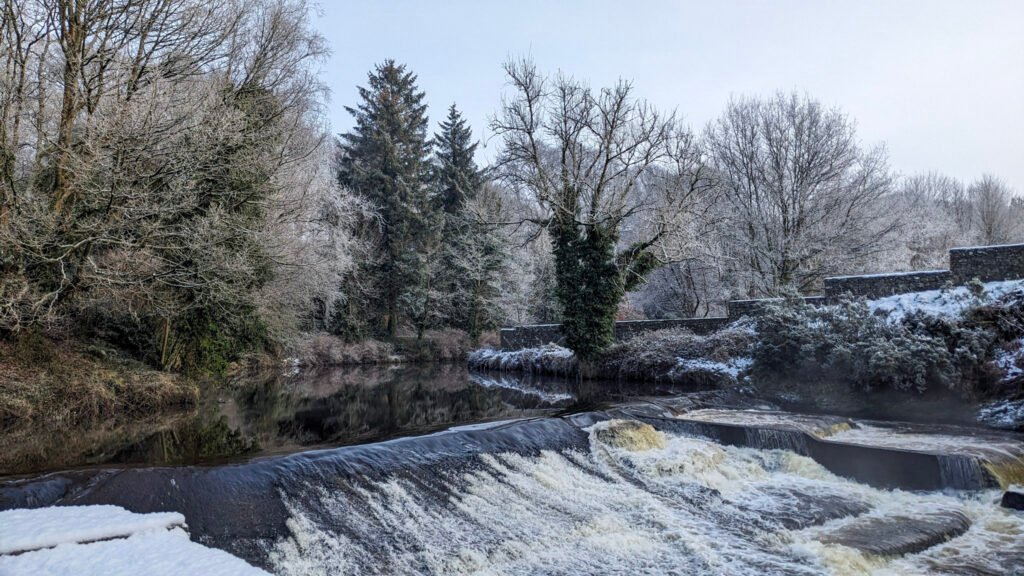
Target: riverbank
{"points": [[45, 382], [64, 384], [923, 355]]}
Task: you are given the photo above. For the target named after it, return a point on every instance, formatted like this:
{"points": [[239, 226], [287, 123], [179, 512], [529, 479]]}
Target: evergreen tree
{"points": [[456, 174], [385, 160], [471, 255]]}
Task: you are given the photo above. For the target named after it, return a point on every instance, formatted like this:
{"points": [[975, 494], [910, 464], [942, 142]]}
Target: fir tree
{"points": [[471, 255], [456, 174], [385, 160]]}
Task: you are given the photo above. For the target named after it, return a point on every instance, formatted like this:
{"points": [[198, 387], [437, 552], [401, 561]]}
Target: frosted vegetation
{"points": [[169, 191], [963, 340]]}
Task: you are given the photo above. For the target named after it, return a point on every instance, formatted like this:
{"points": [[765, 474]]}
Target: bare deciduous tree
{"points": [[993, 217], [805, 198]]}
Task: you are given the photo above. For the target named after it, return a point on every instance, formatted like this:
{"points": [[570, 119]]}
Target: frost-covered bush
{"points": [[550, 359], [677, 355], [848, 344]]}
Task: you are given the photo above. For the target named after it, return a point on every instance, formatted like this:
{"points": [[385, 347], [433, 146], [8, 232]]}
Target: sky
{"points": [[940, 83]]}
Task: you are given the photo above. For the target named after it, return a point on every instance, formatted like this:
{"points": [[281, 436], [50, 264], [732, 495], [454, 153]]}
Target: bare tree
{"points": [[805, 199], [992, 216], [595, 161]]}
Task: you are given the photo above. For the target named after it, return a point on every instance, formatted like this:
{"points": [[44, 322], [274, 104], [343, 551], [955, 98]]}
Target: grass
{"points": [[59, 383], [436, 346]]}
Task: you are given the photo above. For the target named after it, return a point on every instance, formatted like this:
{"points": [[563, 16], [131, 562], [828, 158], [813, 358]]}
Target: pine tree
{"points": [[385, 159]]}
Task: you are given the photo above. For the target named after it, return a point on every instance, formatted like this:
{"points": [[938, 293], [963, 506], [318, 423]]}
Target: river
{"points": [[436, 470]]}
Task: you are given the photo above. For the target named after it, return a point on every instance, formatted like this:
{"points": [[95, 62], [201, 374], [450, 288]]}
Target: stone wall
{"points": [[753, 308], [879, 285], [987, 263]]}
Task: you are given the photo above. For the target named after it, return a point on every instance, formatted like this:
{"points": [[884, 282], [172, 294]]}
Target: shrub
{"points": [[329, 350], [846, 344], [656, 355]]}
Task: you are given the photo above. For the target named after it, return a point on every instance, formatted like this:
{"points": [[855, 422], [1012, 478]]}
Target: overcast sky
{"points": [[941, 83]]}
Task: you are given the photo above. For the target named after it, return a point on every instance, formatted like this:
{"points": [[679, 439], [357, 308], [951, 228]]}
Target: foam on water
{"points": [[675, 505]]}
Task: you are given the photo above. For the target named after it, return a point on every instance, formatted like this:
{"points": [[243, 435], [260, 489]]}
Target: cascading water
{"points": [[672, 485], [635, 501]]}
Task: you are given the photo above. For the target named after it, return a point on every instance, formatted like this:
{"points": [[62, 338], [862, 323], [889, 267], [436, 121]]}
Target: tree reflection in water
{"points": [[277, 413]]}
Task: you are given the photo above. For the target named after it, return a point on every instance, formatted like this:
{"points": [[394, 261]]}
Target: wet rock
{"points": [[33, 494], [1013, 498], [898, 535]]}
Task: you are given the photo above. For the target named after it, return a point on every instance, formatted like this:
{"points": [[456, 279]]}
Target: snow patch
{"points": [[1011, 360], [732, 368], [155, 553], [108, 541], [942, 303], [24, 529], [1008, 414]]}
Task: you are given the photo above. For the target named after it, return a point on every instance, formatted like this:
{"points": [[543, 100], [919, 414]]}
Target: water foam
{"points": [[683, 505]]}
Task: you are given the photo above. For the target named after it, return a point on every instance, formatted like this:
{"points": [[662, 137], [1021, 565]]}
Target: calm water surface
{"points": [[280, 413]]}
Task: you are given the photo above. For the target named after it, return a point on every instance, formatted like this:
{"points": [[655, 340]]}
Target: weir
{"points": [[629, 488]]}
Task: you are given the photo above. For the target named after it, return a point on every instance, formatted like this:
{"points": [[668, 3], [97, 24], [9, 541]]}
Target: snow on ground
{"points": [[22, 530], [943, 303], [106, 540], [154, 553], [1011, 360]]}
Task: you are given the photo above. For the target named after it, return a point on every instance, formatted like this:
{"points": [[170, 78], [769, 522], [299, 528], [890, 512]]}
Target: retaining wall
{"points": [[987, 263], [878, 285]]}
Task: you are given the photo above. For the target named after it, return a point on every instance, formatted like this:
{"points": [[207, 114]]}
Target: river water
{"points": [[439, 471]]}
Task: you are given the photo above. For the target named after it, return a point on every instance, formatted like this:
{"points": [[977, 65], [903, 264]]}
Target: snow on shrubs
{"points": [[682, 357], [549, 359], [865, 347]]}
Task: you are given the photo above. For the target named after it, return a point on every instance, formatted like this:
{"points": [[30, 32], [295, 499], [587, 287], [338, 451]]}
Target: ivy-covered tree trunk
{"points": [[588, 286], [602, 167]]}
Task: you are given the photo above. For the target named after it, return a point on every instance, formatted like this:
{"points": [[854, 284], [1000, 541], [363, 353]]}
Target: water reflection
{"points": [[278, 413]]}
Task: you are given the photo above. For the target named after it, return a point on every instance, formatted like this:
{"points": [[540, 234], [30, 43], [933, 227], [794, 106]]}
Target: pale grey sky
{"points": [[940, 82]]}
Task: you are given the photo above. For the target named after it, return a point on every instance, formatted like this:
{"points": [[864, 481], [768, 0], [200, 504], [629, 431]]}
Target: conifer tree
{"points": [[457, 177], [385, 159], [471, 255]]}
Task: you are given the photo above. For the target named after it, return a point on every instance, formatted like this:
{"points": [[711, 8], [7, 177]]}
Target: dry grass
{"points": [[328, 350], [56, 383]]}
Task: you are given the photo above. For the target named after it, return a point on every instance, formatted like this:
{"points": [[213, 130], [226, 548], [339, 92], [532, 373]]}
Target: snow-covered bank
{"points": [[965, 343], [107, 541], [948, 303]]}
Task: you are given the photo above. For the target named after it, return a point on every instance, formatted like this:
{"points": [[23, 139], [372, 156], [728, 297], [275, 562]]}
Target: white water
{"points": [[637, 502]]}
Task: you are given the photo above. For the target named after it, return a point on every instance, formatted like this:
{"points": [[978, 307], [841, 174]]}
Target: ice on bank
{"points": [[107, 540]]}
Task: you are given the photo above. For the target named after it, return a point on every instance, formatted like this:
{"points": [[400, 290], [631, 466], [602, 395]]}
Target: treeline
{"points": [[168, 185]]}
